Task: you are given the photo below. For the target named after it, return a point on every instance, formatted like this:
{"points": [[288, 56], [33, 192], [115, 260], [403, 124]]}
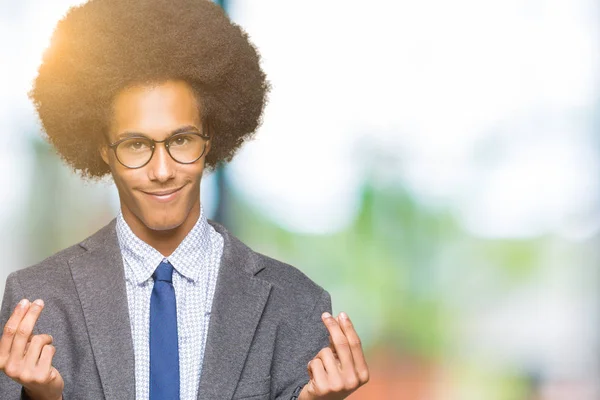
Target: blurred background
{"points": [[433, 164]]}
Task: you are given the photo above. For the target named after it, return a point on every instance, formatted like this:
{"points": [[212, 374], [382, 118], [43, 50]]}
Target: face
{"points": [[163, 194]]}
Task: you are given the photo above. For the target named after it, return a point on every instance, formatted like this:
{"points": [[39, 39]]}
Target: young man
{"points": [[162, 303]]}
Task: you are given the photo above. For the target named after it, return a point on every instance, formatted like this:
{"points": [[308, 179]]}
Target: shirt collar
{"points": [[188, 258]]}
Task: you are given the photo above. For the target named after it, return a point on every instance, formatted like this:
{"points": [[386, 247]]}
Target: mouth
{"points": [[163, 196]]}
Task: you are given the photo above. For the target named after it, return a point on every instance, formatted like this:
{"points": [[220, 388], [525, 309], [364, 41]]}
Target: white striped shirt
{"points": [[196, 263]]}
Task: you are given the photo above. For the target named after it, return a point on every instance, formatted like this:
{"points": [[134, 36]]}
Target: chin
{"points": [[161, 221], [164, 225]]}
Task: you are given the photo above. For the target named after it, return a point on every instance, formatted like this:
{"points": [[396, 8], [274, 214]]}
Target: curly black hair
{"points": [[103, 46]]}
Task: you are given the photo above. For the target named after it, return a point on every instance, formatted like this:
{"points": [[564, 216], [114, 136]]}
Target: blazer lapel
{"points": [[237, 307], [100, 281]]}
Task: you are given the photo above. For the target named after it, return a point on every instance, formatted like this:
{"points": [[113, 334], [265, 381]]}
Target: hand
{"points": [[339, 369], [27, 359]]}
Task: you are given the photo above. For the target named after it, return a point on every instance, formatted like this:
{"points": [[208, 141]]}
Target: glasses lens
{"points": [[134, 152], [186, 147]]}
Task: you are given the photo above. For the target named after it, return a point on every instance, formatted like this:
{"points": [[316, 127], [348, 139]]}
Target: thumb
{"points": [[56, 379], [310, 374], [310, 386], [305, 394]]}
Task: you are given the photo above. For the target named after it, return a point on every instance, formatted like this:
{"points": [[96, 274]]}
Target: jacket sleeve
{"points": [[13, 293], [301, 340]]}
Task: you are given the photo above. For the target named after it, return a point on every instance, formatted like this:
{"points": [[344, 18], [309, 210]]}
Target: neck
{"points": [[164, 241]]}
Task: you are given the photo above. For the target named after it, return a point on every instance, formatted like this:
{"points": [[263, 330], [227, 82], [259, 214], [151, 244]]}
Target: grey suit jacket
{"points": [[264, 326]]}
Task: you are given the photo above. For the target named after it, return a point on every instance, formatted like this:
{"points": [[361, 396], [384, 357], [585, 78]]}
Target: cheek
{"points": [[194, 179], [191, 173], [125, 181]]}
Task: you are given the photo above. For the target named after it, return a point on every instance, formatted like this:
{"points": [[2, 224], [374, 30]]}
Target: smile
{"points": [[164, 196]]}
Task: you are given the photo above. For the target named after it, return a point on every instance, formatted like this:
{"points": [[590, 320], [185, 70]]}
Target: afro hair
{"points": [[103, 46]]}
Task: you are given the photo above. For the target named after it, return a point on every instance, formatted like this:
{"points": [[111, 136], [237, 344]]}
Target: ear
{"points": [[104, 154], [208, 146]]}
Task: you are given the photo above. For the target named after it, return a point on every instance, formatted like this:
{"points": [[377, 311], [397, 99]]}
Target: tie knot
{"points": [[164, 272]]}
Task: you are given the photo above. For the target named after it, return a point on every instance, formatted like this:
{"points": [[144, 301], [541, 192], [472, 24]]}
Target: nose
{"points": [[161, 167]]}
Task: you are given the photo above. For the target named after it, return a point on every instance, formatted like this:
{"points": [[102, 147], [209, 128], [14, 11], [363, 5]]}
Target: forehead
{"points": [[155, 110]]}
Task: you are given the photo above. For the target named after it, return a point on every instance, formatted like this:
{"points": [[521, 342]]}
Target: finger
{"points": [[10, 329], [28, 343], [340, 342], [331, 345], [46, 356], [43, 371], [318, 375], [26, 328], [37, 343], [335, 356], [330, 362], [360, 364]]}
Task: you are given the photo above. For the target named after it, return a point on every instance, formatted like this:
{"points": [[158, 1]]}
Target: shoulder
{"points": [[53, 271], [287, 277], [289, 284], [292, 289]]}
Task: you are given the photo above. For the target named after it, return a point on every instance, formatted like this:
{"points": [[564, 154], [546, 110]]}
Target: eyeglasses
{"points": [[137, 151]]}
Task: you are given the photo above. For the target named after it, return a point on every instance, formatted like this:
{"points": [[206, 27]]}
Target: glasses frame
{"points": [[114, 146]]}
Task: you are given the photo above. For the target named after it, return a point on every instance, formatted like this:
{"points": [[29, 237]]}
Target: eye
{"points": [[181, 140], [135, 145]]}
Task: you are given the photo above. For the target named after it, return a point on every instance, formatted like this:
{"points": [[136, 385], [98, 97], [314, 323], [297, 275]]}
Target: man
{"points": [[162, 303]]}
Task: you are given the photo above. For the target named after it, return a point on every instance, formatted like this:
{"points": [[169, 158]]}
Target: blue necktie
{"points": [[164, 351]]}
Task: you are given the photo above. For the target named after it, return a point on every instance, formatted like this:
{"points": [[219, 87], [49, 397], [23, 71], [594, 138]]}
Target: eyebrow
{"points": [[129, 134]]}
